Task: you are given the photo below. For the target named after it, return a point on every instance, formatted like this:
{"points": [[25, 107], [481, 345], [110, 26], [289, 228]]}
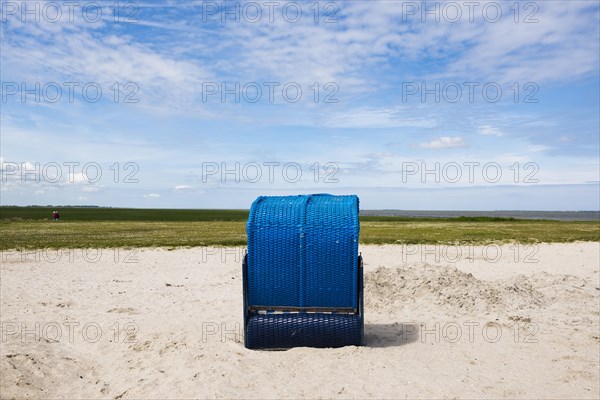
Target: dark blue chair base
{"points": [[285, 330]]}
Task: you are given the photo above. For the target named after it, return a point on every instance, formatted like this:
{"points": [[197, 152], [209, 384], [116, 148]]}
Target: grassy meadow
{"points": [[33, 228]]}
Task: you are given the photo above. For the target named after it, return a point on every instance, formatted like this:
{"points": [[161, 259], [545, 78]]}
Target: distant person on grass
{"points": [[54, 215]]}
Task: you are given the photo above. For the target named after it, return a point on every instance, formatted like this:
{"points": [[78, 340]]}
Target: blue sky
{"points": [[466, 106]]}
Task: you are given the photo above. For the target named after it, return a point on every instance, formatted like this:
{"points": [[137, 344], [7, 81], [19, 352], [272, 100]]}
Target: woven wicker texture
{"points": [[302, 251], [303, 329]]}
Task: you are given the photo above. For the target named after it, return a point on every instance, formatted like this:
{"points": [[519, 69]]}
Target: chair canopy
{"points": [[302, 251]]}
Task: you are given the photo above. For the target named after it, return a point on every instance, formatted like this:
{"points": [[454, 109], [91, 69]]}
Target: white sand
{"points": [[167, 324]]}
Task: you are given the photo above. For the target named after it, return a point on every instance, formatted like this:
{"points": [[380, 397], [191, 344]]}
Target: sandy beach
{"points": [[510, 321]]}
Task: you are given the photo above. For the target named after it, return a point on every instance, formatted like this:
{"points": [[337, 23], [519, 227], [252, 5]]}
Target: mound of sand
{"points": [[446, 289]]}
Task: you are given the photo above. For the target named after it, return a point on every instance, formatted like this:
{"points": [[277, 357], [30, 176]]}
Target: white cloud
{"points": [[515, 52], [371, 117], [78, 177], [511, 158], [152, 196], [182, 187], [489, 130], [82, 54], [354, 52], [444, 142], [379, 34]]}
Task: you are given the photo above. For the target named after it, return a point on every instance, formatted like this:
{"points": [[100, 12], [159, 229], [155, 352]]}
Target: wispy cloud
{"points": [[368, 117], [444, 142], [488, 130]]}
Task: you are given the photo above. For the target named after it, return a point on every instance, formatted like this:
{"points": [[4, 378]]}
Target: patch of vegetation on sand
{"points": [[32, 228]]}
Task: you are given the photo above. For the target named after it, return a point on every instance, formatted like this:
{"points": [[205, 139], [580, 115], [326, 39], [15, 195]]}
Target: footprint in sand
{"points": [[123, 310]]}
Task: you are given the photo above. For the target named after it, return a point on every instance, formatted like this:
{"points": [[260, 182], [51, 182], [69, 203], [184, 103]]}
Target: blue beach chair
{"points": [[303, 279]]}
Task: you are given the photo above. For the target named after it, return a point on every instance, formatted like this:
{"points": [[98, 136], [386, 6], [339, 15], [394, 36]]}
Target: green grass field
{"points": [[32, 228]]}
